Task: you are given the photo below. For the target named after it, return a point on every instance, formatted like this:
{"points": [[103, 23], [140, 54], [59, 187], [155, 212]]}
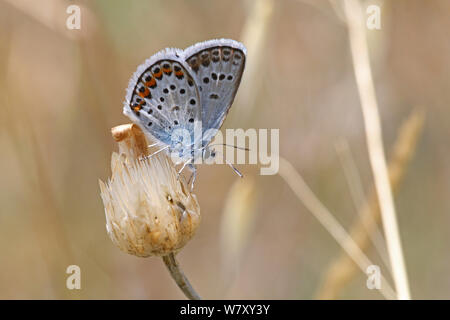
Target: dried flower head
{"points": [[149, 211]]}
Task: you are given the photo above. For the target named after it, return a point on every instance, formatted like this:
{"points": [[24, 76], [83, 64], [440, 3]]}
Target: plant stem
{"points": [[179, 277], [329, 222], [363, 75], [342, 270]]}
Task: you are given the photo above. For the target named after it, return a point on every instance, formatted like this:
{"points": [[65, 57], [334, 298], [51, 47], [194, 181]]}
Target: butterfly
{"points": [[177, 94]]}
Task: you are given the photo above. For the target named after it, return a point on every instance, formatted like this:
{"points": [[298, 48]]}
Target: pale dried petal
{"points": [[148, 210]]}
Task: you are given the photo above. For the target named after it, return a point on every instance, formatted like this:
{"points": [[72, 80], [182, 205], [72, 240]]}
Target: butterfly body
{"points": [[180, 98]]}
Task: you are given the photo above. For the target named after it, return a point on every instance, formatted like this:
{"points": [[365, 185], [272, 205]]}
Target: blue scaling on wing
{"points": [[217, 66], [162, 96]]}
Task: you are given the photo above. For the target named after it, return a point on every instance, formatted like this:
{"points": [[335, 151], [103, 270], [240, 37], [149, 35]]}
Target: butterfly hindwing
{"points": [[163, 96], [217, 66]]}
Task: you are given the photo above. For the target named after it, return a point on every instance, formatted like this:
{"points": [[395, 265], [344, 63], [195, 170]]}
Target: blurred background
{"points": [[62, 90]]}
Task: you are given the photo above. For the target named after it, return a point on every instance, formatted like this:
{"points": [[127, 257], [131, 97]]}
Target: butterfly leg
{"points": [[154, 144], [193, 175], [154, 153], [182, 168]]}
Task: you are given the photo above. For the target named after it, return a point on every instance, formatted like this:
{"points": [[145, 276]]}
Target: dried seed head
{"points": [[148, 210]]}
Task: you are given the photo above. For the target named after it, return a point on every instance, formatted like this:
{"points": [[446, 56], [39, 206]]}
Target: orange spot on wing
{"points": [[145, 93], [159, 74], [179, 73], [151, 83], [167, 70]]}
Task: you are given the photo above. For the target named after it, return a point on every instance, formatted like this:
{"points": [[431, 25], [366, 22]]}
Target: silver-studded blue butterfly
{"points": [[182, 90]]}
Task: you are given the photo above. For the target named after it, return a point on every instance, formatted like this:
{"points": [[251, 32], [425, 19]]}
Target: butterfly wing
{"points": [[162, 96], [217, 66]]}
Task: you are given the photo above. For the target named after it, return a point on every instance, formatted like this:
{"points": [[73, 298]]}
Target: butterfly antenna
{"points": [[154, 144], [154, 153], [182, 168], [235, 169], [227, 145], [193, 177], [189, 181], [231, 165]]}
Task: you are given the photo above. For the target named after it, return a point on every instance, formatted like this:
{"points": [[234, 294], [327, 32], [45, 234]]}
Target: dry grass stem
{"points": [[254, 37], [359, 199], [342, 270], [179, 277], [236, 226], [363, 74], [329, 222]]}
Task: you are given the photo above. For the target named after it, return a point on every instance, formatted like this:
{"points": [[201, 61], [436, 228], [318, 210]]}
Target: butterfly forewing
{"points": [[177, 89], [162, 96], [217, 66]]}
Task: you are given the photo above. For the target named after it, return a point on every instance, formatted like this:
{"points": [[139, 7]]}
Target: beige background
{"points": [[61, 91]]}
